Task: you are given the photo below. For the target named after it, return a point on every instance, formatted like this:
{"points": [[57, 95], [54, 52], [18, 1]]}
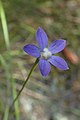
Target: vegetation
{"points": [[43, 98]]}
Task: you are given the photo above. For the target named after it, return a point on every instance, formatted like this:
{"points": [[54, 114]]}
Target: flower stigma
{"points": [[46, 53]]}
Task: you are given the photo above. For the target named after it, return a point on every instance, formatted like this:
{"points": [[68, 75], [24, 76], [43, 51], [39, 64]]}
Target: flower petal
{"points": [[58, 62], [44, 67], [41, 38], [57, 46], [32, 50]]}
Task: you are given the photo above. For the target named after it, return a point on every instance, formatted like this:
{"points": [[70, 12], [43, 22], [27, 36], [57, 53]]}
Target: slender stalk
{"points": [[8, 67], [33, 67], [4, 26], [5, 66], [6, 113], [16, 105]]}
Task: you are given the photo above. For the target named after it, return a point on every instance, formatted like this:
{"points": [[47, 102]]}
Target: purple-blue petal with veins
{"points": [[44, 66], [32, 50], [41, 38], [57, 46], [58, 62]]}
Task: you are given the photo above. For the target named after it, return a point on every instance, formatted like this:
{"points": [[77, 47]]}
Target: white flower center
{"points": [[46, 53]]}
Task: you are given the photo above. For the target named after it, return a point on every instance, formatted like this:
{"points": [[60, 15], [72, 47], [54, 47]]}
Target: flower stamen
{"points": [[46, 53]]}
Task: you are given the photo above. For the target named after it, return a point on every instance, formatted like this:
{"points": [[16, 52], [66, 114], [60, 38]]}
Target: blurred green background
{"points": [[57, 96]]}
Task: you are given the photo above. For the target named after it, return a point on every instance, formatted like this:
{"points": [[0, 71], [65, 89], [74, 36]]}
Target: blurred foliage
{"points": [[56, 96]]}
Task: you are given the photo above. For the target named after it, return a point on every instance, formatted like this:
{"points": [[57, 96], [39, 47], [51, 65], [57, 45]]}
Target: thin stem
{"points": [[33, 67], [5, 66], [6, 113], [8, 67], [4, 26], [16, 105]]}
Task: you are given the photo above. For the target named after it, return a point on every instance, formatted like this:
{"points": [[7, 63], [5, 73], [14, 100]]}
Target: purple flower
{"points": [[45, 53]]}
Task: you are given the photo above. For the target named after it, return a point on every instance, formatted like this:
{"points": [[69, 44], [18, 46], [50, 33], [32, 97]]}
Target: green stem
{"points": [[6, 113], [16, 105], [33, 67], [8, 67], [5, 66], [4, 26]]}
